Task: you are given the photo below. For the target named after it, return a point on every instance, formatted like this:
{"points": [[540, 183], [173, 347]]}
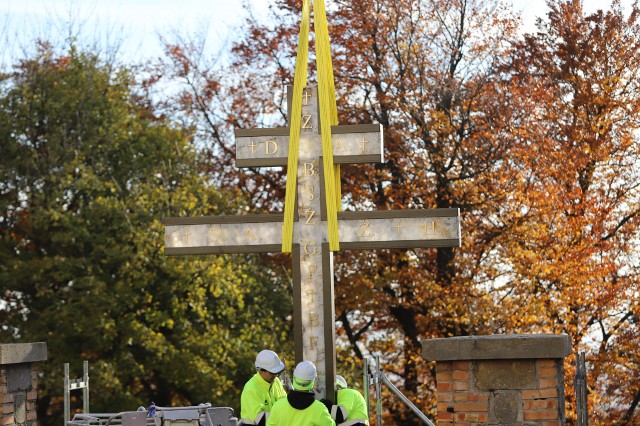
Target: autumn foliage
{"points": [[534, 137]]}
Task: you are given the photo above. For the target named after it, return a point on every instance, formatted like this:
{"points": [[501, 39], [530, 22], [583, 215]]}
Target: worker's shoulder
{"points": [[319, 406], [251, 383], [349, 391], [279, 403]]}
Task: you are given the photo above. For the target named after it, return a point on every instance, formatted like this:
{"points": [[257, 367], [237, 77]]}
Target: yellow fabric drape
{"points": [[328, 117], [299, 83]]}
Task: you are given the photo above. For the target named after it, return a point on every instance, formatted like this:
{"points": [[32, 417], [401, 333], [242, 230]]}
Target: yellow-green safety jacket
{"points": [[354, 402], [259, 395], [299, 409]]}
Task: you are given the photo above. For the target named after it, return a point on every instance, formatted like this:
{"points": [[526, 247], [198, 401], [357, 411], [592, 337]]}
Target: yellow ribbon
{"points": [[328, 117], [299, 83]]}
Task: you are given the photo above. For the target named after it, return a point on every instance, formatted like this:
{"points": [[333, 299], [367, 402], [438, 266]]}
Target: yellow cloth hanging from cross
{"points": [[328, 118]]}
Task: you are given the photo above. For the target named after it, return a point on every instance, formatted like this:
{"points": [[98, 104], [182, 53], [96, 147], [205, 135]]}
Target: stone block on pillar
{"points": [[500, 379], [18, 382]]}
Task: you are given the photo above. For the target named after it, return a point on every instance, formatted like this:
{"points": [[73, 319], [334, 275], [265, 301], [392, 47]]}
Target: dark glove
{"points": [[338, 413], [261, 418], [327, 403]]}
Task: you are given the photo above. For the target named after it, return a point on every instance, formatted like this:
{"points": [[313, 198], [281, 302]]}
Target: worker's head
{"points": [[304, 376], [268, 365], [341, 383]]}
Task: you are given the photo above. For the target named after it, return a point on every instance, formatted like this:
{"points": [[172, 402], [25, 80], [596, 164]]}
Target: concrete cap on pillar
{"points": [[19, 353], [497, 346]]}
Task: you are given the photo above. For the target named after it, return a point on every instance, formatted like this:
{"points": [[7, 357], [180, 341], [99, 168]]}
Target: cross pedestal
{"points": [[312, 263]]}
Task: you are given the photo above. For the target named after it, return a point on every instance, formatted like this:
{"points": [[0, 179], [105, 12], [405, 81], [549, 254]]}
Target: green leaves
{"points": [[88, 172]]}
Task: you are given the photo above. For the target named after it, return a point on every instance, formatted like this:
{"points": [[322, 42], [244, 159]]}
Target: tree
{"points": [[535, 140], [432, 80], [575, 253], [88, 170], [428, 72]]}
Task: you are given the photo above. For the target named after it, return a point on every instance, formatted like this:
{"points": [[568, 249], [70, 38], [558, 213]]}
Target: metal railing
{"points": [[194, 415], [74, 384], [377, 378], [580, 384]]}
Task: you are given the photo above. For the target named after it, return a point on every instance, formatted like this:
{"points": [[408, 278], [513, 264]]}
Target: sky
{"points": [[137, 23]]}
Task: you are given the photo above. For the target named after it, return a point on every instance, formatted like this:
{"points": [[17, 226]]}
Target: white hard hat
{"points": [[341, 383], [304, 376], [268, 360]]}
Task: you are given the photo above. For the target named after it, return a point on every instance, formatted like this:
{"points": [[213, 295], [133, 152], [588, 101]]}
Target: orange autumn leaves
{"points": [[534, 137]]}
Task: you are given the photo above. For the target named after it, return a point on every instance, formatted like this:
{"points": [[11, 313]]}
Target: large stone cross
{"points": [[313, 282]]}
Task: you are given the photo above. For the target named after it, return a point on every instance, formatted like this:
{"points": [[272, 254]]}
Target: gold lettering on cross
{"points": [[363, 145], [253, 147], [310, 248], [306, 95], [398, 227], [215, 234], [340, 145], [429, 228], [306, 119], [308, 190], [314, 319], [309, 170], [309, 214], [175, 237], [311, 270], [250, 235], [313, 342], [365, 230], [311, 294], [270, 147]]}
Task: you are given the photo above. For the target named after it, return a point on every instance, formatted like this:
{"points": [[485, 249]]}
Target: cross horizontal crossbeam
{"points": [[358, 231], [313, 286]]}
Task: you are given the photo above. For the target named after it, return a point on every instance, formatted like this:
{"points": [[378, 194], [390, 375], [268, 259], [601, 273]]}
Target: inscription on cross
{"points": [[314, 312], [352, 144]]}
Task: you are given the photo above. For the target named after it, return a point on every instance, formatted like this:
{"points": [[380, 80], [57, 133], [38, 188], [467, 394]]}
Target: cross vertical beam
{"points": [[313, 272]]}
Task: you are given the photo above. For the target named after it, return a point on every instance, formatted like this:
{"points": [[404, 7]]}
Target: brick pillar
{"points": [[18, 382], [515, 380]]}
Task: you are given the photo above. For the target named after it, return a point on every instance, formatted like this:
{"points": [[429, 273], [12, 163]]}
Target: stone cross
{"points": [[312, 262]]}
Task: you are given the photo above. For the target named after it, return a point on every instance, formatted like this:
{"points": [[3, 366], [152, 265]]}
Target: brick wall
{"points": [[457, 402], [515, 380], [18, 383], [464, 399]]}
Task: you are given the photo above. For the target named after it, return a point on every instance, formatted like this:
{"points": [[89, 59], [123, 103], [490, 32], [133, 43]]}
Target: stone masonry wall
{"points": [[18, 383], [520, 392], [18, 399], [500, 380]]}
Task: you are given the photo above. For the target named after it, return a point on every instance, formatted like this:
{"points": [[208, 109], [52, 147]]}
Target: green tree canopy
{"points": [[87, 172]]}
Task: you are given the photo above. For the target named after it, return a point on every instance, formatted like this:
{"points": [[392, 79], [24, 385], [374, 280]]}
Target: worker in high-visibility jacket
{"points": [[353, 402], [263, 389], [300, 408]]}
